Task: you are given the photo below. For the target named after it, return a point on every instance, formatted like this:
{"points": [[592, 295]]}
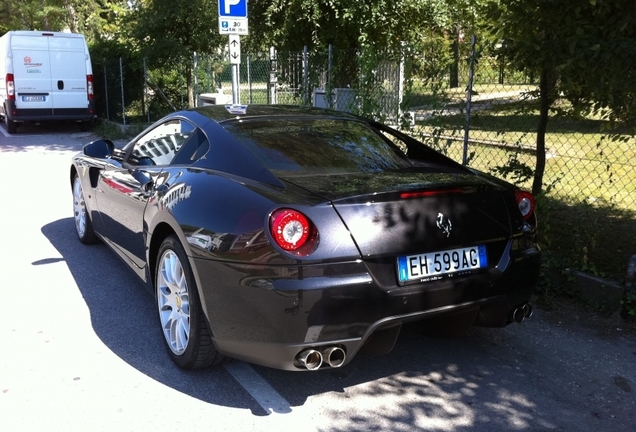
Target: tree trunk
{"points": [[546, 95], [454, 68], [189, 85]]}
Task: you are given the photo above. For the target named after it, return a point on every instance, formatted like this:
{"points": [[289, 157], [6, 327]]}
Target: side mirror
{"points": [[99, 149]]}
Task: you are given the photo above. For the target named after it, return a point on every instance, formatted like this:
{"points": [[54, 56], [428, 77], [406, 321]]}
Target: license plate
{"points": [[434, 265], [33, 98]]}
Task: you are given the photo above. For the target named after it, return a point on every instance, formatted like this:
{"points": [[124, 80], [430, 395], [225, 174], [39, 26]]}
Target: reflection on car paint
{"points": [[179, 193]]}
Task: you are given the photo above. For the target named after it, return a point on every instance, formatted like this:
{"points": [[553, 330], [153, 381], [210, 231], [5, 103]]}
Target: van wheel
{"points": [[85, 126], [12, 127]]}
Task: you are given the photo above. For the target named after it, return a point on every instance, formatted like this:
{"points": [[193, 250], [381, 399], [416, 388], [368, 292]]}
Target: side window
{"points": [[160, 145], [195, 147]]}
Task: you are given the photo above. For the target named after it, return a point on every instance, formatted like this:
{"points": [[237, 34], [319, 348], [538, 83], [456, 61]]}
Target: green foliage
{"points": [[584, 50], [514, 169], [589, 44], [33, 15], [92, 18], [629, 304], [292, 24], [165, 33]]}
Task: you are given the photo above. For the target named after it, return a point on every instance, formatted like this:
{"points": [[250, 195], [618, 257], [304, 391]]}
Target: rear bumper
{"points": [[267, 315], [31, 115]]}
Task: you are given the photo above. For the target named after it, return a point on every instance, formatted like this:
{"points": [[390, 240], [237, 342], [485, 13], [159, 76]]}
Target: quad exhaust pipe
{"points": [[312, 359], [522, 312], [334, 356]]}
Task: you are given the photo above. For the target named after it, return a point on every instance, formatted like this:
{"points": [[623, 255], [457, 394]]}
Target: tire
{"points": [[183, 324], [83, 224], [12, 127], [85, 126]]}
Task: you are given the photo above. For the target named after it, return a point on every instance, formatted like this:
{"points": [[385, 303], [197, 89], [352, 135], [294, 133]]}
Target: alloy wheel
{"points": [[79, 208], [174, 302]]}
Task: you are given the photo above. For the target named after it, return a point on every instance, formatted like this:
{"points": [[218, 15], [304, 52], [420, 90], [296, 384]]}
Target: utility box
{"points": [[342, 99], [214, 99]]}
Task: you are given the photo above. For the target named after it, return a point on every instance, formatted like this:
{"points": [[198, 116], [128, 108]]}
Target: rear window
{"points": [[318, 145]]}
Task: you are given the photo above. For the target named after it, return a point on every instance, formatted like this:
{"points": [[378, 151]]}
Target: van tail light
{"points": [[293, 231], [89, 86], [525, 201], [10, 87]]}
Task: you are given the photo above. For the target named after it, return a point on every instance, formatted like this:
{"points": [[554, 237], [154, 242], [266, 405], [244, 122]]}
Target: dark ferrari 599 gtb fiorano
{"points": [[296, 238]]}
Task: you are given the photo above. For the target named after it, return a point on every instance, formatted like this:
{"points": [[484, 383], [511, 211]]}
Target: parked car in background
{"points": [[45, 76], [297, 237]]}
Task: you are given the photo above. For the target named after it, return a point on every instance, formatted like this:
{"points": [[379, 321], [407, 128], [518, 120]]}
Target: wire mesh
{"points": [[590, 174]]}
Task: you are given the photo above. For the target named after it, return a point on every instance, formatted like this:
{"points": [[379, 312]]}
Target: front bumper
{"points": [[267, 315]]}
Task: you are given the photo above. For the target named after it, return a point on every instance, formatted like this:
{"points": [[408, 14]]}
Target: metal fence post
{"points": [[469, 93], [195, 67], [329, 86], [401, 78], [208, 84], [249, 79], [273, 79], [146, 104], [106, 90], [305, 76], [121, 80]]}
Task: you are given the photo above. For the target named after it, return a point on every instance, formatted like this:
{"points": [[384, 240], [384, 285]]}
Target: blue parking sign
{"points": [[233, 8]]}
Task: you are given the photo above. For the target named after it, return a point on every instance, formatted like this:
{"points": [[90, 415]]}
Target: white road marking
{"points": [[266, 396]]}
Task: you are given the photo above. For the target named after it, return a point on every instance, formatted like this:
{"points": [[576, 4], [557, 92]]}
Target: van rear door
{"points": [[68, 74], [32, 73]]}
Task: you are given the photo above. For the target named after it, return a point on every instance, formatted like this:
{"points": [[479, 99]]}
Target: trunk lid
{"points": [[413, 212]]}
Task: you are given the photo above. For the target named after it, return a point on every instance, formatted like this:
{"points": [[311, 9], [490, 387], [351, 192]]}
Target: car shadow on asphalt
{"points": [[491, 379], [124, 318]]}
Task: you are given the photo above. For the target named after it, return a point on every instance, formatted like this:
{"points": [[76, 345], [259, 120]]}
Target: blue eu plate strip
{"points": [[402, 268], [483, 257]]}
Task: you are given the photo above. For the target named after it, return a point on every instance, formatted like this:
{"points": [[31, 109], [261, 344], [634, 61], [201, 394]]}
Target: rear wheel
{"points": [[183, 323], [12, 127], [85, 126], [83, 225]]}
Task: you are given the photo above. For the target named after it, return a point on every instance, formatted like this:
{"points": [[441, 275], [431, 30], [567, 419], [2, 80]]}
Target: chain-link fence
{"points": [[589, 209], [129, 92], [590, 177]]}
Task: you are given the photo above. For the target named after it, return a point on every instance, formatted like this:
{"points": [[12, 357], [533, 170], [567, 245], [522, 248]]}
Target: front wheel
{"points": [[183, 323]]}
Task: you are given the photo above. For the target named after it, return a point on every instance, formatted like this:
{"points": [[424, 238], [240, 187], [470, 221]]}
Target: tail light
{"points": [[89, 86], [10, 87], [293, 231], [431, 193], [525, 201]]}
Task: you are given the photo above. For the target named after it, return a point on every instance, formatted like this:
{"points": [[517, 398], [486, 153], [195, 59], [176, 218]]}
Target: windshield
{"points": [[318, 146]]}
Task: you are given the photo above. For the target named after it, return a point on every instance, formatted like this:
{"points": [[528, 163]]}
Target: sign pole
{"points": [[236, 96]]}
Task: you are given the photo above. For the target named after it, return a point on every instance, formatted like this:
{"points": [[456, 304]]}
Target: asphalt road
{"points": [[80, 348]]}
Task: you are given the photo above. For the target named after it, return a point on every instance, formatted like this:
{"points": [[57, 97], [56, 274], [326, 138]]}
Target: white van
{"points": [[45, 76]]}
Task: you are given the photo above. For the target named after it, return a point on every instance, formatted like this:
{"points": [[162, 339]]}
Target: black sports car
{"points": [[297, 237]]}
